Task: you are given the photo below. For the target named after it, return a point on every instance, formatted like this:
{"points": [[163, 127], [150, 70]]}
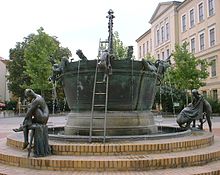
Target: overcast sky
{"points": [[78, 24]]}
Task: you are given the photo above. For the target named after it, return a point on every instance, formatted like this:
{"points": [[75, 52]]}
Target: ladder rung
{"points": [[98, 117], [99, 105], [103, 105], [100, 93]]}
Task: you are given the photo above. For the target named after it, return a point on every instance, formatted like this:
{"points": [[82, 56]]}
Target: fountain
{"points": [[125, 111], [116, 115]]}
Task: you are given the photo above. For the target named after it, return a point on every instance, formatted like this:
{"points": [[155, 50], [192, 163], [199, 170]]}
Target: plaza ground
{"points": [[8, 122]]}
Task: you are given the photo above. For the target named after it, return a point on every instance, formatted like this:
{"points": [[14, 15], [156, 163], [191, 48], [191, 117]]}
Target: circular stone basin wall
{"points": [[164, 132], [118, 123]]}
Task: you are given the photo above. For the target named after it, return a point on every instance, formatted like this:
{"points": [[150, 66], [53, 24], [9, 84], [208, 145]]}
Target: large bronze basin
{"points": [[131, 88]]}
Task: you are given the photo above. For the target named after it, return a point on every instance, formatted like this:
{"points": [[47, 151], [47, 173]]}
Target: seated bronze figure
{"points": [[197, 110], [36, 117]]}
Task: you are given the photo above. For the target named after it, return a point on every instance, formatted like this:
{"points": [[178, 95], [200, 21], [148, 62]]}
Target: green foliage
{"points": [[59, 53], [36, 55], [188, 72], [150, 58], [119, 48], [16, 76], [167, 95], [30, 63], [120, 51], [215, 105], [10, 105]]}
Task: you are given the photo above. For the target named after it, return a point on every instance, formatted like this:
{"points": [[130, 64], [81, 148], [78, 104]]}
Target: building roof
{"points": [[183, 4], [142, 36], [162, 8]]}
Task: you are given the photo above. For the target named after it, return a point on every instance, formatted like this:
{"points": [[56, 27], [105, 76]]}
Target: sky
{"points": [[77, 24]]}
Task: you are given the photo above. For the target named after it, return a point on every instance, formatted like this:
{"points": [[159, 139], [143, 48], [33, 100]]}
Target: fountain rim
{"points": [[157, 136]]}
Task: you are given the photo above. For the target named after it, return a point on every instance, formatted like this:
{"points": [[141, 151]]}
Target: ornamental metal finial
{"points": [[110, 30]]}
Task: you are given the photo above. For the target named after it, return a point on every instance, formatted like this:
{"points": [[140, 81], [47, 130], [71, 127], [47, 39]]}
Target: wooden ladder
{"points": [[98, 106]]}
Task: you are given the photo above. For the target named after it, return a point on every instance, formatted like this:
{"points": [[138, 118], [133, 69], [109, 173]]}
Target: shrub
{"points": [[10, 105], [215, 105]]}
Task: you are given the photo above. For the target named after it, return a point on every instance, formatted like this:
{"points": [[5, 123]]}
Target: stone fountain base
{"points": [[119, 123], [165, 156]]}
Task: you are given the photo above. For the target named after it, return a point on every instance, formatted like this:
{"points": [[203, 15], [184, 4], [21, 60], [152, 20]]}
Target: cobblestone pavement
{"points": [[10, 122]]}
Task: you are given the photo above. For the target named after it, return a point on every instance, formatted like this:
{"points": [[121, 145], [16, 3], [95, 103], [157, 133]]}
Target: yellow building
{"points": [[194, 21]]}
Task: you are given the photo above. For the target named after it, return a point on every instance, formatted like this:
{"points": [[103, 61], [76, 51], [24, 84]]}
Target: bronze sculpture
{"points": [[81, 55], [197, 110], [35, 120], [104, 64], [131, 92], [130, 52]]}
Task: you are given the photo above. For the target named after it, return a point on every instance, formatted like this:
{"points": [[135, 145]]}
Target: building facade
{"points": [[4, 92], [193, 21]]}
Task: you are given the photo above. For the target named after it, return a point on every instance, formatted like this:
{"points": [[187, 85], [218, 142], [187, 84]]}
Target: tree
{"points": [[120, 51], [188, 72], [31, 58], [119, 48], [167, 95], [16, 77], [37, 54], [150, 58]]}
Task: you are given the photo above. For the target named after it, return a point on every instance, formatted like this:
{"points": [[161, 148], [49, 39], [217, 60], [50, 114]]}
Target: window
{"points": [[158, 37], [192, 18], [139, 51], [143, 49], [202, 41], [212, 37], [213, 68], [192, 43], [201, 12], [211, 7], [183, 23], [167, 31], [162, 34], [158, 56], [215, 94], [162, 55], [168, 53]]}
